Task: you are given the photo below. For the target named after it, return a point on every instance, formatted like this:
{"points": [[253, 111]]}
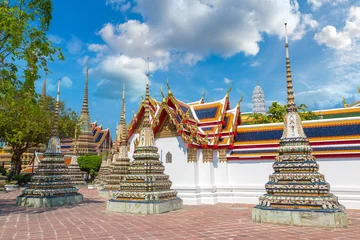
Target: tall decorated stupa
{"points": [[77, 177], [103, 171], [297, 194], [258, 100], [85, 144], [122, 160], [51, 185], [145, 189]]}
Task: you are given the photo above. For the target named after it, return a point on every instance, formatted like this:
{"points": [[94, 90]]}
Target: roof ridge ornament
{"points": [[168, 86], [344, 102], [202, 97], [228, 91], [241, 99], [162, 94]]}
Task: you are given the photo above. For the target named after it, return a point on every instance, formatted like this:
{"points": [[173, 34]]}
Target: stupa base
{"points": [[336, 219], [104, 193], [54, 201], [145, 208]]}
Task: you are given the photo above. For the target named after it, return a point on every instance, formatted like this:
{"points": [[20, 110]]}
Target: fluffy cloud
{"points": [[65, 82], [74, 45], [114, 70], [255, 64], [188, 31], [120, 5], [342, 81], [55, 39], [316, 4], [227, 81], [330, 37]]}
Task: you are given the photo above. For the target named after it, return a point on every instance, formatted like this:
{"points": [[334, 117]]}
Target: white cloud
{"points": [[65, 82], [219, 89], [120, 5], [330, 37], [74, 45], [342, 80], [316, 4], [114, 70], [188, 31], [97, 47], [255, 64], [55, 38], [227, 81]]}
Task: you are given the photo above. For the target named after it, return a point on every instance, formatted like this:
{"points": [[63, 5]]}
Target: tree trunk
{"points": [[16, 163]]}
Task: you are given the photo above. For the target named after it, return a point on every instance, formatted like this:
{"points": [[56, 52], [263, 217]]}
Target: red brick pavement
{"points": [[89, 220]]}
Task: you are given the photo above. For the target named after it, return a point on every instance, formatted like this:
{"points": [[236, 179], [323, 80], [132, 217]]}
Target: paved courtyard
{"points": [[90, 221]]}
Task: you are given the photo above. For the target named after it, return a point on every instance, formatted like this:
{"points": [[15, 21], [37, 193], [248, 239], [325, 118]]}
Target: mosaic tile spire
{"points": [[122, 162], [122, 125], [85, 143], [258, 100], [296, 184], [77, 177], [146, 180], [51, 185]]}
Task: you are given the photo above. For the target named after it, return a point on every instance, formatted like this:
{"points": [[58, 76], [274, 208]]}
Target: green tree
{"points": [[276, 113], [90, 163], [23, 124], [24, 50], [24, 44], [68, 119]]}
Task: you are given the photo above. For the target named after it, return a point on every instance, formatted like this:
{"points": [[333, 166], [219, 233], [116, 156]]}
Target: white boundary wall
{"points": [[244, 181]]}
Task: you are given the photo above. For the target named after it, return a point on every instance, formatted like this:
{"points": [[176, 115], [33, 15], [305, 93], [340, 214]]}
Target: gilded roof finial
{"points": [[202, 97], [291, 106], [227, 93], [359, 90], [344, 102], [162, 94], [43, 91], [168, 86], [239, 103]]}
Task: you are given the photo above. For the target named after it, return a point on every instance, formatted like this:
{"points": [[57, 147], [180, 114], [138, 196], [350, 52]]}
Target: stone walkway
{"points": [[90, 221]]}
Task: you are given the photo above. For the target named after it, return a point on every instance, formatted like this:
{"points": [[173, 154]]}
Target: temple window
{"points": [[168, 157]]}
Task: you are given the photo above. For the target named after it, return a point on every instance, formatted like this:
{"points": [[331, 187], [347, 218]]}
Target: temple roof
{"points": [[200, 124]]}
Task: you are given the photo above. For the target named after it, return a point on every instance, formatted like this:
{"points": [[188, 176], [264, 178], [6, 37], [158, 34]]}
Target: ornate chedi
{"points": [[122, 161], [51, 185], [145, 189], [297, 194], [100, 179], [85, 144], [77, 177], [258, 100]]}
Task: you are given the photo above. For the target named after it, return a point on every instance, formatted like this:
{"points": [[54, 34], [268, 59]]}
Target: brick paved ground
{"points": [[90, 221]]}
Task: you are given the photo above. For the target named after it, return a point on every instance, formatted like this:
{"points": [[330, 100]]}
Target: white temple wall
{"points": [[343, 174], [183, 175], [244, 181]]}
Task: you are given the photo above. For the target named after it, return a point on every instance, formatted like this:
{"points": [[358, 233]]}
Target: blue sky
{"points": [[203, 46]]}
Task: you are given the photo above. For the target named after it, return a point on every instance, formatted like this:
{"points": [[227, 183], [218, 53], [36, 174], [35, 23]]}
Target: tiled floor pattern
{"points": [[89, 220]]}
